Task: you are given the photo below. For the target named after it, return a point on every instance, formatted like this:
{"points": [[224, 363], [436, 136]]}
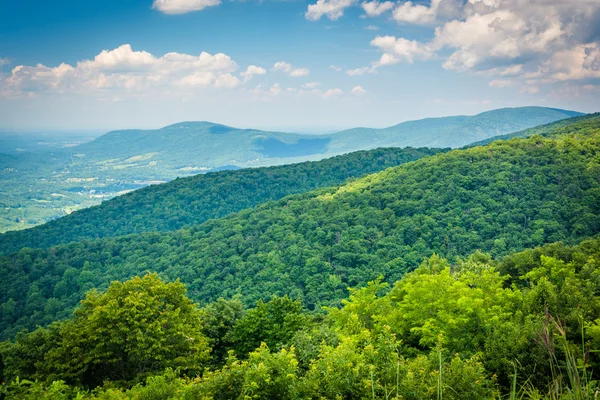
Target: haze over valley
{"points": [[45, 178]]}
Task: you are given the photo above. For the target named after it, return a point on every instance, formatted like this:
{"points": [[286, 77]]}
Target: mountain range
{"points": [[43, 182], [498, 198]]}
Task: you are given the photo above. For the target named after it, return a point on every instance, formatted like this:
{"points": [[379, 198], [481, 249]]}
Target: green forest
{"points": [[479, 328], [463, 274], [41, 183], [193, 200]]}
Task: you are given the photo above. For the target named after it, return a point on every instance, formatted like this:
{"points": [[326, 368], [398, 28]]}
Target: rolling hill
{"points": [[498, 198], [193, 200], [208, 145], [42, 186], [570, 125]]}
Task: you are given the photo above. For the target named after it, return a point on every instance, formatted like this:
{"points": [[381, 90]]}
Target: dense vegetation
{"points": [[565, 126], [40, 186], [526, 326], [193, 200], [499, 198]]}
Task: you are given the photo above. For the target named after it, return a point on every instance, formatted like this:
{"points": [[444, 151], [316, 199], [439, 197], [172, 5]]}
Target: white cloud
{"points": [[358, 90], [297, 72], [196, 79], [580, 62], [532, 42], [266, 94], [275, 89], [333, 9], [310, 85], [183, 6], [227, 81], [530, 35], [358, 71], [372, 28], [124, 70], [251, 71], [375, 8], [282, 66], [287, 68], [332, 93], [4, 61], [394, 50], [411, 13], [335, 68], [400, 49]]}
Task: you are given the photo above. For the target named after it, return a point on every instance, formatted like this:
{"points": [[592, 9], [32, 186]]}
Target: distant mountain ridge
{"points": [[208, 145], [501, 198], [41, 186]]}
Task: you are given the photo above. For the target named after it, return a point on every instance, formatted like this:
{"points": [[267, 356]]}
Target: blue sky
{"points": [[292, 65]]}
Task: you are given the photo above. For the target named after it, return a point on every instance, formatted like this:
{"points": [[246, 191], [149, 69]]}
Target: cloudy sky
{"points": [[292, 65]]}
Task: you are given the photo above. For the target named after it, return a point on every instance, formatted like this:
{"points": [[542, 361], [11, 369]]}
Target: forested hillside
{"points": [[498, 198], [524, 327], [193, 200], [41, 186], [565, 126]]}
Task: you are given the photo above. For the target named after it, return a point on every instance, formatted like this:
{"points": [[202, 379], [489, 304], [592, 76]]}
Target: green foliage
{"points": [[218, 321], [134, 329], [444, 331], [193, 200], [274, 323], [561, 127], [264, 375], [40, 186], [500, 198]]}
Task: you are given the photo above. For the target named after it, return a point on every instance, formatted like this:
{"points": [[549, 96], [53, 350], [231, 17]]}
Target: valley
{"points": [[43, 183], [467, 267]]}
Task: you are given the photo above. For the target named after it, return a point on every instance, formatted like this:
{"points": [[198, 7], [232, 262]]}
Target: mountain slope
{"points": [[569, 125], [43, 186], [453, 131], [193, 200], [497, 198], [197, 145]]}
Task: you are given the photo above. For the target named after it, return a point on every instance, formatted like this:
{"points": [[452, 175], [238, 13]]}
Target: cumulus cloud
{"points": [[4, 61], [375, 8], [124, 69], [333, 9], [273, 91], [335, 68], [411, 13], [537, 35], [282, 66], [358, 71], [251, 71], [400, 49], [297, 72], [534, 42], [579, 63], [183, 6], [332, 93], [227, 81], [287, 68], [394, 50], [358, 90]]}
